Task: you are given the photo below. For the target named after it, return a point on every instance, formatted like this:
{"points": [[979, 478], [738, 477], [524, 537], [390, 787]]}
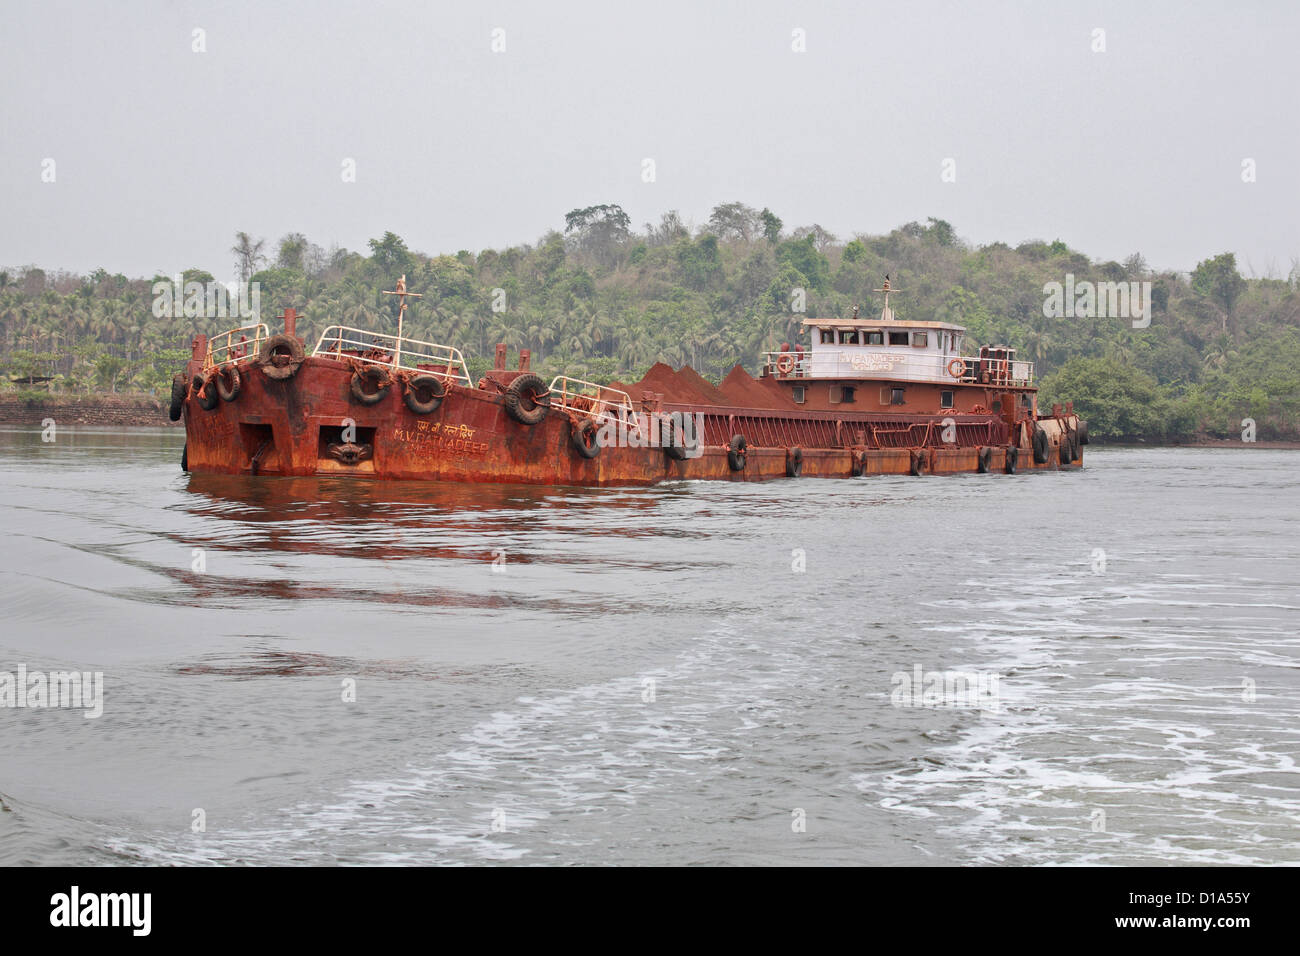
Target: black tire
{"points": [[527, 399], [180, 390], [371, 373], [430, 384], [1066, 451], [736, 453], [228, 392], [185, 457], [677, 435], [1041, 445], [585, 436], [858, 467], [917, 467], [794, 462], [985, 460], [1013, 459], [205, 391], [1082, 432], [276, 349]]}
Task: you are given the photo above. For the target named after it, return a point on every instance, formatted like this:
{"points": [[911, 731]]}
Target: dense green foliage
{"points": [[601, 300]]}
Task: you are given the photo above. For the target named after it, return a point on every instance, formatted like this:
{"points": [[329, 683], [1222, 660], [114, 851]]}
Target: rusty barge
{"points": [[864, 397]]}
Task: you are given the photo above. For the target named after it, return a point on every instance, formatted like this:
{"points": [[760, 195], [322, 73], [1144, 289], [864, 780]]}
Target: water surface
{"points": [[694, 673]]}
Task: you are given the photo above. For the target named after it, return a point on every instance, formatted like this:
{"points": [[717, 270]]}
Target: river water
{"points": [[330, 671]]}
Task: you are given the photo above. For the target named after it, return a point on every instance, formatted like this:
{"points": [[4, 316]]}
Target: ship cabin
{"points": [[883, 364]]}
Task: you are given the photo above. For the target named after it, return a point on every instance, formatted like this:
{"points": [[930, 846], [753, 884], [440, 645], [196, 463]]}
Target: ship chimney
{"points": [[290, 322]]}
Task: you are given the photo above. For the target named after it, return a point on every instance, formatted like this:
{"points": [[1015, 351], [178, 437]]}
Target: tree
{"points": [[598, 230], [1219, 281], [248, 255], [734, 220], [670, 229], [390, 257], [293, 249], [802, 254], [771, 225], [821, 239]]}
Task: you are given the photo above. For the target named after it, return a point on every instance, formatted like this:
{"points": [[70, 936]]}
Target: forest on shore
{"points": [[601, 300]]}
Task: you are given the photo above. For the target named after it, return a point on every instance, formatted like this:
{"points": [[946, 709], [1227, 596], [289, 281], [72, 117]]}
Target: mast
{"points": [[401, 293], [886, 314]]}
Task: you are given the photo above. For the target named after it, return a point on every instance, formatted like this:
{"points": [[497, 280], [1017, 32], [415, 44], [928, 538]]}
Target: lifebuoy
{"points": [[586, 438], [785, 364], [736, 452], [794, 462], [527, 399], [370, 373], [957, 368], [227, 379], [205, 391], [280, 357], [428, 384]]}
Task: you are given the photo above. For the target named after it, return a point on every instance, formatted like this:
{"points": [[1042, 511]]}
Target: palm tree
{"points": [[248, 254]]}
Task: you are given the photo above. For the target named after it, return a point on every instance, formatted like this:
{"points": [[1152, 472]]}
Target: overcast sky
{"points": [[161, 153]]}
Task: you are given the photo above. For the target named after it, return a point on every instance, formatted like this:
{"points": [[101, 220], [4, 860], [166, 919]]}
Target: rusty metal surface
{"points": [[312, 423]]}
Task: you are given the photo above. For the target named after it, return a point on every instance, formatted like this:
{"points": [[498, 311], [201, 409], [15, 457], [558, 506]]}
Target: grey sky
{"points": [[163, 153]]}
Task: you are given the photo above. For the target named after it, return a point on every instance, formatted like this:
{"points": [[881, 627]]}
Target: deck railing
{"points": [[224, 348], [391, 351], [598, 401], [788, 364], [850, 362]]}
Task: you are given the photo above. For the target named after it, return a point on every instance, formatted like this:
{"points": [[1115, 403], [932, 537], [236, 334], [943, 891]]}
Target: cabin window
{"points": [[920, 340], [1024, 399], [835, 394], [799, 393], [847, 393], [897, 338], [997, 405], [828, 336], [875, 338], [945, 399], [895, 396], [848, 338]]}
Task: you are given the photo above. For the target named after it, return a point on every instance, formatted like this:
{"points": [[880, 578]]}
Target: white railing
{"points": [[998, 371], [390, 351], [588, 398], [788, 364], [223, 347], [899, 363]]}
